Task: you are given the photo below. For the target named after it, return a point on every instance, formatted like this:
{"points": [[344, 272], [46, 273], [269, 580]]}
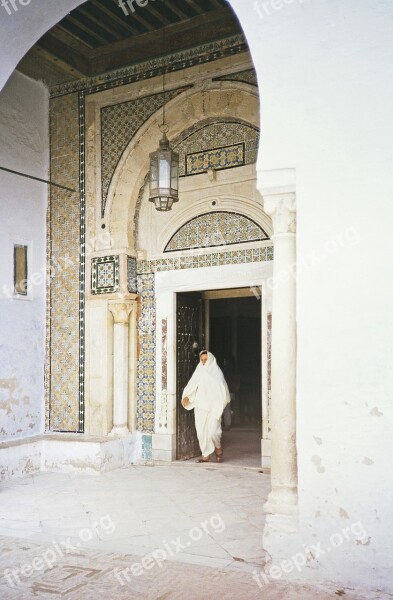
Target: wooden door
{"points": [[189, 340]]}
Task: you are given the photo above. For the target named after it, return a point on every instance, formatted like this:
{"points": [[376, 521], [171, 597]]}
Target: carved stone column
{"points": [[121, 314], [279, 203]]}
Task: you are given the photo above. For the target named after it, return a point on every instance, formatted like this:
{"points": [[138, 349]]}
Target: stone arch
{"points": [[224, 99]]}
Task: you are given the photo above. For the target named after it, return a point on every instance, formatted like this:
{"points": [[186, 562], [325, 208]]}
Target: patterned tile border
{"points": [[212, 259], [176, 61], [217, 159], [146, 362], [132, 271]]}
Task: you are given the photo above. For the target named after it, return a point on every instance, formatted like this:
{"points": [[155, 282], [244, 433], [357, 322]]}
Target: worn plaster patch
{"points": [[317, 460], [343, 513], [318, 440], [367, 461], [375, 412]]}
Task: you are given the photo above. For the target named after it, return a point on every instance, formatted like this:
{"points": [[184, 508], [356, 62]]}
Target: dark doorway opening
{"points": [[235, 340], [229, 323]]}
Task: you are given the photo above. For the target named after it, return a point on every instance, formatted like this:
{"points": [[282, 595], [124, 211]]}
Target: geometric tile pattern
{"points": [[218, 158], [146, 362], [210, 259], [119, 124], [105, 275], [215, 229], [212, 138], [132, 283], [64, 224], [249, 76]]}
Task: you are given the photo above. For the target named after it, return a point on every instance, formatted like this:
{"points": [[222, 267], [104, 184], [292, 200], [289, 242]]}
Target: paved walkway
{"points": [[153, 532]]}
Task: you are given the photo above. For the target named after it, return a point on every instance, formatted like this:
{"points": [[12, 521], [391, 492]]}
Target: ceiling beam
{"points": [[127, 26], [91, 32], [198, 9], [178, 36], [102, 23], [51, 43], [176, 10]]}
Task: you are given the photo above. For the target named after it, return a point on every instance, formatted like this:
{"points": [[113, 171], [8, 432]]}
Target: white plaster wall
{"points": [[20, 30], [23, 147], [325, 68]]}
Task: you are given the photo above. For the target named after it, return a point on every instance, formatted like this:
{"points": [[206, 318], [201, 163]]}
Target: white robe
{"points": [[208, 393]]}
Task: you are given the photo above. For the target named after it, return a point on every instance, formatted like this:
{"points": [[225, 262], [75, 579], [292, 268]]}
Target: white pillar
{"points": [[279, 203], [121, 314]]}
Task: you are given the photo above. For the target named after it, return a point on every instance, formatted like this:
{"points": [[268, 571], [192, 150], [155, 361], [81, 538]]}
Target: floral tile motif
{"points": [[105, 275], [217, 159], [206, 260], [216, 144], [216, 229], [146, 363]]}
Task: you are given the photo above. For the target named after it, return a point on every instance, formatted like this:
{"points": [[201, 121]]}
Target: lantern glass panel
{"points": [[165, 170], [153, 173], [175, 175]]}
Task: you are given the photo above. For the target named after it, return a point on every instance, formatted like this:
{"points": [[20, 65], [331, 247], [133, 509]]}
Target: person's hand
{"points": [[186, 401]]}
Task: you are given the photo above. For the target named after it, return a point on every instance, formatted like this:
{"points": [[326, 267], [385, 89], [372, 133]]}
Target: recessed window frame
{"points": [[14, 244]]}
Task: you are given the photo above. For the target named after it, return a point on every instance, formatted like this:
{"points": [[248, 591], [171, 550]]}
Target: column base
{"points": [[120, 430], [282, 501]]}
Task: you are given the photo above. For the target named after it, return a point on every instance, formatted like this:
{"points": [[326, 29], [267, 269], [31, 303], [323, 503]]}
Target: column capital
{"points": [[282, 210], [121, 311], [278, 190]]}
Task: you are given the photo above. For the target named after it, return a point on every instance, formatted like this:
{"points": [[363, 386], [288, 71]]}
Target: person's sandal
{"points": [[219, 455], [203, 460]]}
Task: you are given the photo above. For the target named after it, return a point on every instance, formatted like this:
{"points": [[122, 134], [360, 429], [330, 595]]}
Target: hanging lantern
{"points": [[164, 176]]}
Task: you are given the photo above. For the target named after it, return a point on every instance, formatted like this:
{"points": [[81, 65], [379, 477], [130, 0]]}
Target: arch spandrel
{"points": [[225, 100]]}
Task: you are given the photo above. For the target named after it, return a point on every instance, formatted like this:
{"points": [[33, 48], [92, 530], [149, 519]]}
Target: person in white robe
{"points": [[207, 393]]}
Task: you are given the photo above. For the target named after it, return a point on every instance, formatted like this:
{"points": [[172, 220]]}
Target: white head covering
{"points": [[207, 389]]}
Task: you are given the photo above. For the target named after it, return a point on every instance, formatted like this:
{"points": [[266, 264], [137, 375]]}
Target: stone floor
{"points": [[242, 447], [153, 532]]}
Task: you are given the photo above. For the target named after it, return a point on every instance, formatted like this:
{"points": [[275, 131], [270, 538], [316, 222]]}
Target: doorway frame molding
{"points": [[167, 285]]}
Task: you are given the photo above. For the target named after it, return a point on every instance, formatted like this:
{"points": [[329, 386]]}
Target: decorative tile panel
{"points": [[64, 220], [248, 76], [119, 124], [210, 259], [132, 283], [222, 144], [217, 159], [215, 229], [105, 275], [146, 363]]}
